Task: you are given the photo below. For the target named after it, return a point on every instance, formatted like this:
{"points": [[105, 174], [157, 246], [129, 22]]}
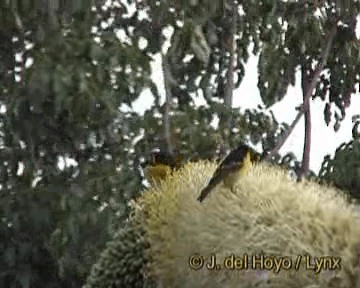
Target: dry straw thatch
{"points": [[268, 215]]}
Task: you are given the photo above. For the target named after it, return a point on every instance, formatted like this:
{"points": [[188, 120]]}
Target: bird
{"points": [[235, 164], [160, 165]]}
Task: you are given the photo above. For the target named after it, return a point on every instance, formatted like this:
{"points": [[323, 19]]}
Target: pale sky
{"points": [[324, 139]]}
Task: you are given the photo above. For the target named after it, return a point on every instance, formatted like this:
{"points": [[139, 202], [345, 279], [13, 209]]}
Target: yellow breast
{"points": [[157, 172]]}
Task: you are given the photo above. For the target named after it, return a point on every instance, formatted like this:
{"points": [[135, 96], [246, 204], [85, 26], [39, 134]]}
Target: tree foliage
{"points": [[63, 108], [343, 170]]}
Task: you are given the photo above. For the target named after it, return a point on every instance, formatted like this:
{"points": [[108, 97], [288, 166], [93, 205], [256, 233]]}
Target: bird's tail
{"points": [[205, 192]]}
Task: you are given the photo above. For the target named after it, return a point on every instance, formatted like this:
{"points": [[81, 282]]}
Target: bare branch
{"points": [[307, 92], [168, 82], [225, 119], [323, 58], [309, 89], [307, 124], [230, 73], [285, 136]]}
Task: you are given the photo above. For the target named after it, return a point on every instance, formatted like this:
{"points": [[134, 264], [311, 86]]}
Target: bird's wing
{"points": [[220, 173], [223, 170]]}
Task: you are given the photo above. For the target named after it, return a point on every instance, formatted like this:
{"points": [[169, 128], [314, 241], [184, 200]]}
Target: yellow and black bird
{"points": [[160, 165], [236, 163]]}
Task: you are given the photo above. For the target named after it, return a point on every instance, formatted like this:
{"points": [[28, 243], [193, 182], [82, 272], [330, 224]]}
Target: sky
{"points": [[324, 140]]}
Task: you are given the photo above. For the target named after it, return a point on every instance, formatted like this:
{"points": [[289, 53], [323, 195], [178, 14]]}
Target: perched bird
{"points": [[160, 165], [235, 164]]}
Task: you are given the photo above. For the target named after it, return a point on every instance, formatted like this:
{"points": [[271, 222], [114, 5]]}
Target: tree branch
{"points": [[286, 135], [168, 82], [230, 73], [309, 89], [307, 93], [323, 58], [225, 118], [307, 124]]}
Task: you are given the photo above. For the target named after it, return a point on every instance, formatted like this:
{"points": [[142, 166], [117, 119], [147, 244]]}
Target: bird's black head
{"points": [[236, 155], [161, 157]]}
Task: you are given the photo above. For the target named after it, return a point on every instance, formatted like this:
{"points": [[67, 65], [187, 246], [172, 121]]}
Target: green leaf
{"points": [[24, 278], [10, 256]]}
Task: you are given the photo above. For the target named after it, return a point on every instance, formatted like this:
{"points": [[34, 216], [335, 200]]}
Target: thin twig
{"points": [[285, 136]]}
